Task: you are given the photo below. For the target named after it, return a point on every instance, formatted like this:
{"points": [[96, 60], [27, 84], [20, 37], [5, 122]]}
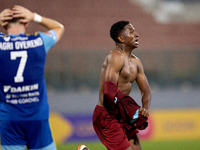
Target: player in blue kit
{"points": [[24, 110]]}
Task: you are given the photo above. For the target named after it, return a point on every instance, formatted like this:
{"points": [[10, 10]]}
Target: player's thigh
{"points": [[39, 135], [12, 133], [112, 135]]}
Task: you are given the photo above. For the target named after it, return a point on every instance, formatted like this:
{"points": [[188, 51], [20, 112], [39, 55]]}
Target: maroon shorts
{"points": [[109, 130]]}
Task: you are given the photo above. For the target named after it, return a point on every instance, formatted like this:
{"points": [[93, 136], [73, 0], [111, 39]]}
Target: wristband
{"points": [[37, 18]]}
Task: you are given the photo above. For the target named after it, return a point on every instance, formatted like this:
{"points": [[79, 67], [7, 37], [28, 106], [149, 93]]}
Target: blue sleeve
{"points": [[49, 40]]}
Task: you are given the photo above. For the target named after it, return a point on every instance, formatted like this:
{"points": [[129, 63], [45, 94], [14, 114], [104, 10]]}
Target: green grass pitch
{"points": [[146, 145]]}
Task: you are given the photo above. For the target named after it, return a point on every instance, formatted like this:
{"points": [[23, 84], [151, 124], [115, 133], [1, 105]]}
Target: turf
{"points": [[171, 145], [146, 145]]}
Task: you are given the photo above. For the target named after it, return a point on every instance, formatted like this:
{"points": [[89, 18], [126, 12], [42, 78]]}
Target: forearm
{"points": [[51, 24], [146, 99], [145, 91]]}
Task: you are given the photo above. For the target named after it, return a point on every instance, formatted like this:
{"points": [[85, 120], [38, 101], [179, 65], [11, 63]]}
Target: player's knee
{"points": [[135, 142]]}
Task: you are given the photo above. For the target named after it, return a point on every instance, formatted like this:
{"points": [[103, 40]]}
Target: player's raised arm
{"points": [[5, 15], [48, 23]]}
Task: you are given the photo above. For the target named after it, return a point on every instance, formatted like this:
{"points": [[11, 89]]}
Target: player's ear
{"points": [[26, 24], [5, 27], [121, 39]]}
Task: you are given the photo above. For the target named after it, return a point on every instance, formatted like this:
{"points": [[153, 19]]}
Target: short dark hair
{"points": [[116, 28], [14, 20]]}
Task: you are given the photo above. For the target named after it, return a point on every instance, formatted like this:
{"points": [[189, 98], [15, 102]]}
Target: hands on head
{"points": [[16, 12]]}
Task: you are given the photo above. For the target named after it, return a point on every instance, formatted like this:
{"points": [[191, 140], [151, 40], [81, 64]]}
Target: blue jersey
{"points": [[23, 94]]}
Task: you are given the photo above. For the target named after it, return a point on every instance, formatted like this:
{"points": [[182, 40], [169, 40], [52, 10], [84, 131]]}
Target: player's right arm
{"points": [[115, 63], [5, 15], [48, 23]]}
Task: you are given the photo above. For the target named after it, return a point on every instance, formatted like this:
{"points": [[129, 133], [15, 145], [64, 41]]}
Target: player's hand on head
{"points": [[5, 15], [21, 12], [144, 112]]}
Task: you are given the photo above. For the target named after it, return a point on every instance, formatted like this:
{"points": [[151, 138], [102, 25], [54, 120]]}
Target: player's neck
{"points": [[123, 48], [16, 29]]}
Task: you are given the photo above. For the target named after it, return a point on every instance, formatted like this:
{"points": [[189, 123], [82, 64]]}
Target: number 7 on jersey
{"points": [[23, 54]]}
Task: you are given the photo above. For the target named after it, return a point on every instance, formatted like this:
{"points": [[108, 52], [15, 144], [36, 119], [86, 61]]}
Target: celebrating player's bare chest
{"points": [[129, 71]]}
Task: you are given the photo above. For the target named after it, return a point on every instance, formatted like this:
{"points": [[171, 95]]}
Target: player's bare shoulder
{"points": [[112, 56], [115, 59], [135, 58], [137, 62], [115, 54]]}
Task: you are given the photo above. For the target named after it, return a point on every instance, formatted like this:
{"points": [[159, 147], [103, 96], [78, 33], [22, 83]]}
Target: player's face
{"points": [[130, 36]]}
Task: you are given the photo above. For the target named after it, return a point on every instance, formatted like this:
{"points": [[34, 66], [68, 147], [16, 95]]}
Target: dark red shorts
{"points": [[109, 130]]}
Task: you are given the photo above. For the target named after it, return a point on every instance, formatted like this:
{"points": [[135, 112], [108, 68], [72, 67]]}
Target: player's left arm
{"points": [[144, 89]]}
